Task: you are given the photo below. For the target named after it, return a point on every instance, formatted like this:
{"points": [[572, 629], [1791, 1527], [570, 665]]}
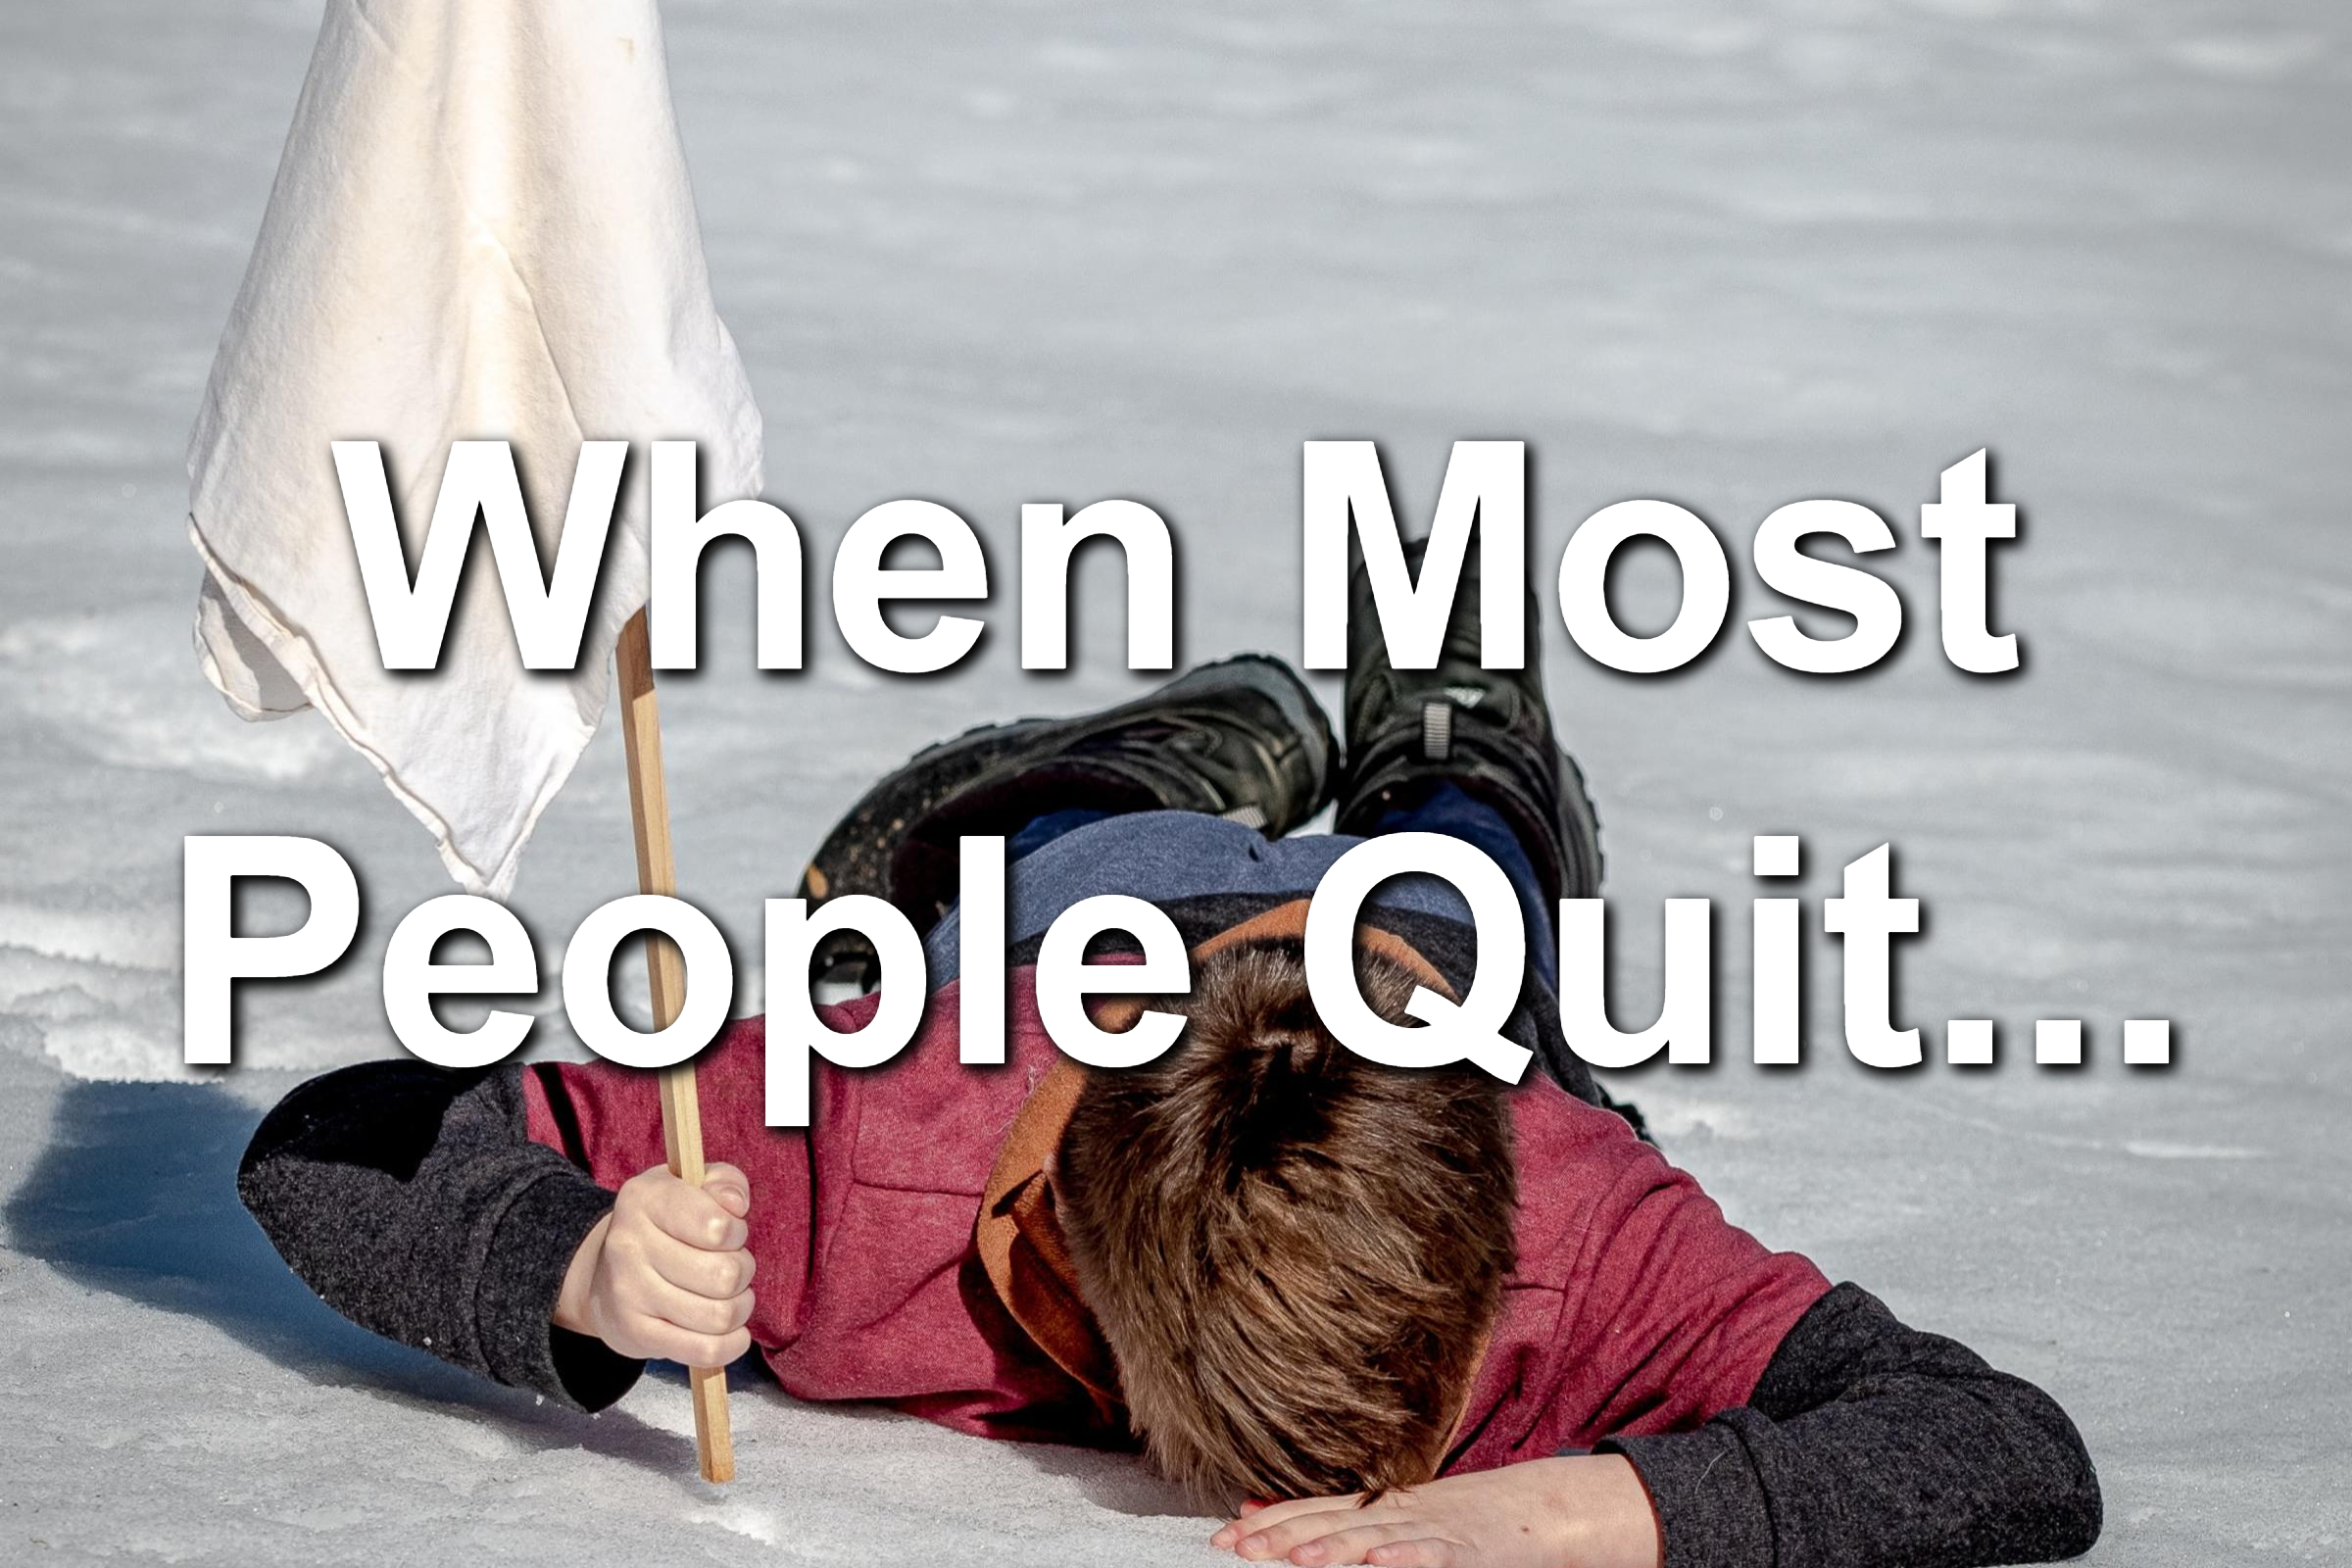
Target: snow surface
{"points": [[1727, 254]]}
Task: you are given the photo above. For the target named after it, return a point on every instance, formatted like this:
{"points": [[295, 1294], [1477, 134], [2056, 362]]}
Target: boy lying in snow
{"points": [[1289, 1272]]}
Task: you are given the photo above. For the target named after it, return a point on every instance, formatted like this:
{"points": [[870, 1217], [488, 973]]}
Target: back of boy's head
{"points": [[1295, 1254]]}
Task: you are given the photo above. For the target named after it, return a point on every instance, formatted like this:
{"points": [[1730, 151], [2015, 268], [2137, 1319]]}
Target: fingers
{"points": [[657, 1340], [720, 1276], [689, 1236], [695, 1314], [694, 1216], [674, 1271], [643, 1314], [634, 1247], [651, 1317], [1328, 1539], [731, 1187], [1347, 1543], [1260, 1520]]}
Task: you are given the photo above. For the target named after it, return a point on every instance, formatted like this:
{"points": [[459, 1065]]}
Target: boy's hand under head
{"points": [[668, 1275], [1585, 1511]]}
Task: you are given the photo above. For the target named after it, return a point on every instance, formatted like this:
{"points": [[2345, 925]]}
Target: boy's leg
{"points": [[1446, 809], [1242, 738], [1043, 831], [1467, 752]]}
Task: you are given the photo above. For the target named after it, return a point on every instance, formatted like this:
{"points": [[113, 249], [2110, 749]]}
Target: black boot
{"points": [[1242, 738], [1486, 731]]}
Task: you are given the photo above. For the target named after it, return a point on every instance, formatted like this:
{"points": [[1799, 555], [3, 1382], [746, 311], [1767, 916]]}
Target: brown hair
{"points": [[1295, 1254]]}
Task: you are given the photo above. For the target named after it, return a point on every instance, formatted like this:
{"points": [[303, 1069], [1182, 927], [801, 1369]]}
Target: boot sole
{"points": [[855, 856]]}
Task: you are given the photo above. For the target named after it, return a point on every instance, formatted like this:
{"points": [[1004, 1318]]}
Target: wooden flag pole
{"points": [[666, 972]]}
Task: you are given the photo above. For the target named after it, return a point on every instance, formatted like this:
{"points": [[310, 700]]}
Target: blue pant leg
{"points": [[1450, 811], [1043, 831]]}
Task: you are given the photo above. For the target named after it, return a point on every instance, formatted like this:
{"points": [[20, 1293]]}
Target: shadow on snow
{"points": [[136, 1195]]}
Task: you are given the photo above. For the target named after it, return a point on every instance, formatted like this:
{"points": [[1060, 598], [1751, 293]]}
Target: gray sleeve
{"points": [[414, 1202], [1869, 1442]]}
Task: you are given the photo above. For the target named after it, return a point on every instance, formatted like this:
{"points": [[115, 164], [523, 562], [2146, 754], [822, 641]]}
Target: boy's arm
{"points": [[1870, 1441], [1865, 1442], [414, 1203]]}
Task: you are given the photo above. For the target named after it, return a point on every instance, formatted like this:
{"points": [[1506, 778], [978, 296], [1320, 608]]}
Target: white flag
{"points": [[481, 229]]}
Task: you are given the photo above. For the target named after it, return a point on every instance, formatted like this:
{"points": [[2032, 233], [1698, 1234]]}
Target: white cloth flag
{"points": [[481, 229]]}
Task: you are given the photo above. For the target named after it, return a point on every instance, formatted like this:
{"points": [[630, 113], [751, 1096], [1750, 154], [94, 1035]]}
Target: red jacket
{"points": [[1635, 1306]]}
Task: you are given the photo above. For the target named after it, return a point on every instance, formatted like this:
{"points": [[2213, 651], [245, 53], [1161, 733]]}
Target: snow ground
{"points": [[1725, 254]]}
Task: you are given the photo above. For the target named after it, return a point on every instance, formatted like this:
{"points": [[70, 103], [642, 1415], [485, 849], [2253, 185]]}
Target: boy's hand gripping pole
{"points": [[665, 971]]}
